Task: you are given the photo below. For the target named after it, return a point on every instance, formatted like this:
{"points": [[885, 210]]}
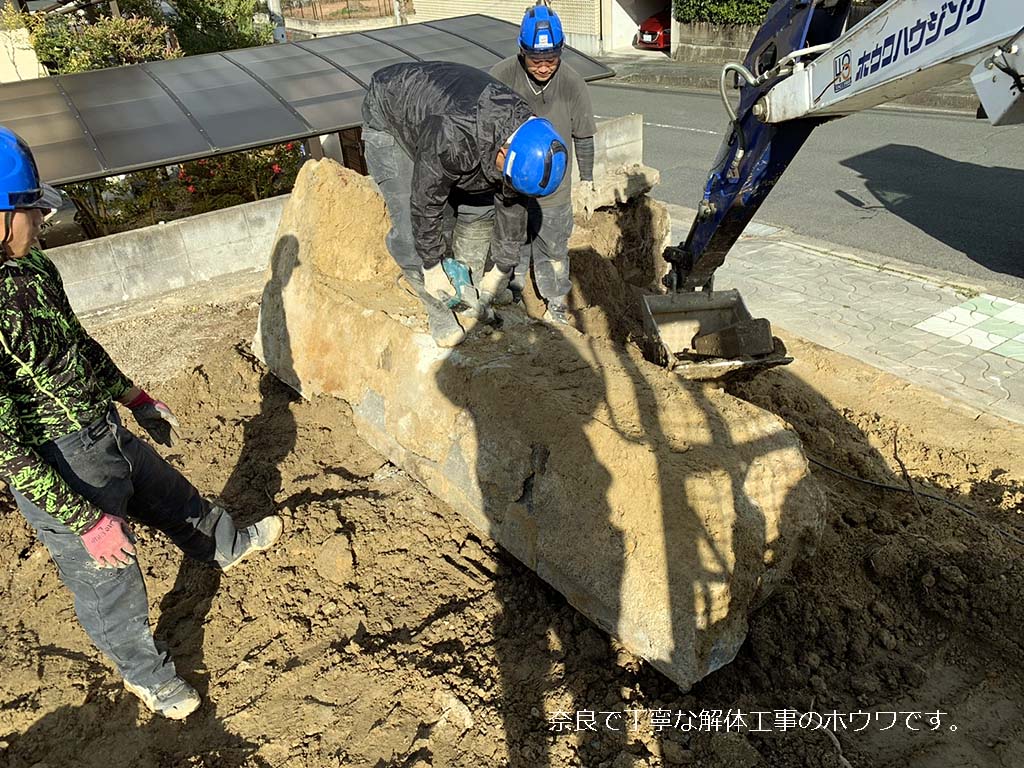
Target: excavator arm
{"points": [[804, 68]]}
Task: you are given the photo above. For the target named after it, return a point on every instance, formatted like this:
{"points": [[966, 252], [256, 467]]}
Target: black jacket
{"points": [[452, 119]]}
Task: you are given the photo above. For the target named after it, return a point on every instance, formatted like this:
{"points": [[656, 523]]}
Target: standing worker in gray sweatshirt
{"points": [[557, 92]]}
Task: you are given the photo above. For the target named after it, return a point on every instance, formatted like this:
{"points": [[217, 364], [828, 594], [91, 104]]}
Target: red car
{"points": [[654, 32]]}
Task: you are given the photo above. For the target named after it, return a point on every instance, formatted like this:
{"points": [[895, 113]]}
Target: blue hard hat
{"points": [[20, 185], [536, 160], [541, 35]]}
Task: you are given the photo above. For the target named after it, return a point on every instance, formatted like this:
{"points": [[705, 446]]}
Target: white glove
{"points": [[437, 284], [588, 198], [492, 284]]}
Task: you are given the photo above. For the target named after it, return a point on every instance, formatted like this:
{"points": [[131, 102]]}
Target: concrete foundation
{"points": [[151, 261], [663, 512]]}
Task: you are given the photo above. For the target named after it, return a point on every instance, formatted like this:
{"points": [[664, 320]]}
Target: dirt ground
{"points": [[384, 632]]}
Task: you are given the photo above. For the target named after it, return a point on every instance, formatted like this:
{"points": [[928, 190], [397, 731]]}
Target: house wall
{"points": [[581, 19], [18, 59]]}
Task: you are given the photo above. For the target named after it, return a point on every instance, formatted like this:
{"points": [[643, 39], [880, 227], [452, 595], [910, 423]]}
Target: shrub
{"points": [[65, 45], [207, 26], [729, 12], [143, 198], [11, 18], [241, 177]]}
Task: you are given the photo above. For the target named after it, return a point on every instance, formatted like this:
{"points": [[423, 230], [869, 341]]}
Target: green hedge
{"points": [[721, 11]]}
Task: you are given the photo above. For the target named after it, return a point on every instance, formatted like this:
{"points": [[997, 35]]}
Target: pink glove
{"points": [[154, 417], [108, 544]]}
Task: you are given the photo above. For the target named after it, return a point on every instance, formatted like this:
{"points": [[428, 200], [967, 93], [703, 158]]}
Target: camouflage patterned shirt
{"points": [[54, 380]]}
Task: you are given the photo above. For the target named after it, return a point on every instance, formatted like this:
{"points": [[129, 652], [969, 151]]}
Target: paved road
{"points": [[941, 190]]}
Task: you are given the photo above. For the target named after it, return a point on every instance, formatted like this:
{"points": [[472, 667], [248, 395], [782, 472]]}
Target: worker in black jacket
{"points": [[443, 140]]}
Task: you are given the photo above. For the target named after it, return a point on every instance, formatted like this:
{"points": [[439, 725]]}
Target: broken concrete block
{"points": [[618, 185], [663, 511], [334, 561]]}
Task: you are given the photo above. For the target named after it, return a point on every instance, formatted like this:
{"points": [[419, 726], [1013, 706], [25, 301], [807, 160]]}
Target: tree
{"points": [[144, 9], [206, 26]]}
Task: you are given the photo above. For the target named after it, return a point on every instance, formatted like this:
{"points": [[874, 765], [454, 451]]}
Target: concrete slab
{"points": [[663, 511]]}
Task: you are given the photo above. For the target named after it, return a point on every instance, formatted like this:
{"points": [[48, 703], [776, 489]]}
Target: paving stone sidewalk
{"points": [[964, 341]]}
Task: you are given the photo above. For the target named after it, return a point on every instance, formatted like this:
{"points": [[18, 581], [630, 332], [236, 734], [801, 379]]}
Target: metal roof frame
{"points": [[111, 121]]}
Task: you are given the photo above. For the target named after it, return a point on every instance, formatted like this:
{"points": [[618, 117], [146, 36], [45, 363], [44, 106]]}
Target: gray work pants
{"points": [[469, 218], [124, 476], [547, 246]]}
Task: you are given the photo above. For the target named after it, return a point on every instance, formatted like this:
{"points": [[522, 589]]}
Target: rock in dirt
{"points": [[454, 716], [334, 561], [627, 760], [734, 750], [676, 754], [662, 511]]}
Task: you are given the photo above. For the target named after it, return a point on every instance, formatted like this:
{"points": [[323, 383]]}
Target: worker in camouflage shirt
{"points": [[75, 472]]}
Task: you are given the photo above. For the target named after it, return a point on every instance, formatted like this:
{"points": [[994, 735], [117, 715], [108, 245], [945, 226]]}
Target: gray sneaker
{"points": [[557, 312], [174, 700], [262, 535]]}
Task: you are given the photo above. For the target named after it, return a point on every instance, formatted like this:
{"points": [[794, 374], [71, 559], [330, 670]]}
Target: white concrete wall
{"points": [[581, 19], [623, 28], [18, 60], [314, 28], [166, 257]]}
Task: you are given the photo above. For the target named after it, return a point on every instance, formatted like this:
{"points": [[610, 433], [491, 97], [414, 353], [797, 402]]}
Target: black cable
{"points": [[1018, 79], [1013, 74], [911, 491]]}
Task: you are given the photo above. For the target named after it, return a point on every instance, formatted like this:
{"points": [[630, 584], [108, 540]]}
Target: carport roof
{"points": [[112, 121]]}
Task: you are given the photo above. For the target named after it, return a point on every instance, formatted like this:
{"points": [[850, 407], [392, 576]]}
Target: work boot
{"points": [[174, 700], [557, 312], [259, 536], [444, 327]]}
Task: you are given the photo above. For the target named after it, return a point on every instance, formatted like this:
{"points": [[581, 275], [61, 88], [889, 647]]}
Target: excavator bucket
{"points": [[710, 334]]}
